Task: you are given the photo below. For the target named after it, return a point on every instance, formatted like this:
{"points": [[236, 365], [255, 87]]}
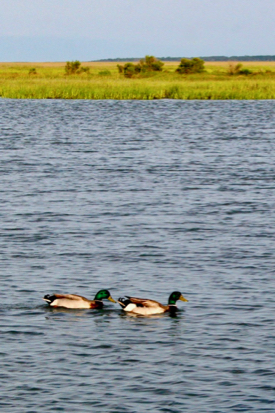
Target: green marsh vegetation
{"points": [[103, 80], [144, 67], [190, 66], [74, 68]]}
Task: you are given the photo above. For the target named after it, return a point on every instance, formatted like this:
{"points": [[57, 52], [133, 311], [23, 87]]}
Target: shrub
{"points": [[129, 69], [84, 69], [104, 73], [234, 69], [237, 70], [245, 72], [120, 68], [32, 71], [73, 68], [149, 64], [187, 66]]}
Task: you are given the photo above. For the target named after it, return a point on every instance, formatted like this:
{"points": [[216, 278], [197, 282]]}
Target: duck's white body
{"points": [[70, 301], [77, 301], [146, 307]]}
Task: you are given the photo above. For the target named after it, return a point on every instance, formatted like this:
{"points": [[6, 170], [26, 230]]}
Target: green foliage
{"points": [[188, 66], [238, 70], [245, 72], [85, 69], [129, 69], [104, 73], [32, 71], [149, 64], [80, 87], [120, 68], [234, 69], [215, 83], [73, 68]]}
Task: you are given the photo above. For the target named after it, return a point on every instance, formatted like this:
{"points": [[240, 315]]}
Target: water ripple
{"points": [[142, 198]]}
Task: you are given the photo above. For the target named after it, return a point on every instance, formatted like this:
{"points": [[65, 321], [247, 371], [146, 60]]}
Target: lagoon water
{"points": [[142, 198]]}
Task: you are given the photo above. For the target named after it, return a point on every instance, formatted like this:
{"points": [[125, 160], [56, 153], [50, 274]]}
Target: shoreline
{"points": [[38, 80]]}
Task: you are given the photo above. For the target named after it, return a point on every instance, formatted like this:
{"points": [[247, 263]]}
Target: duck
{"points": [[144, 306], [77, 301]]}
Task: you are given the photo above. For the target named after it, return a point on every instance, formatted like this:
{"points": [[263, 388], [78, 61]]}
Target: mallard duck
{"points": [[143, 306], [77, 301]]}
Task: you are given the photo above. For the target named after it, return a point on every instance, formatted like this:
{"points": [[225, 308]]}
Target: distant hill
{"points": [[259, 58]]}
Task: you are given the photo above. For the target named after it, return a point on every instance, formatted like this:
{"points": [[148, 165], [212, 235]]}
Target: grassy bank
{"points": [[48, 81]]}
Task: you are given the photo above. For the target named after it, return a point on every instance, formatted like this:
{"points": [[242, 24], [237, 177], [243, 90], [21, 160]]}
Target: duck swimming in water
{"points": [[144, 306], [77, 301]]}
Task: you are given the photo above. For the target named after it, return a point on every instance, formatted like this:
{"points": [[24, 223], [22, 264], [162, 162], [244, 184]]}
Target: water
{"points": [[142, 198]]}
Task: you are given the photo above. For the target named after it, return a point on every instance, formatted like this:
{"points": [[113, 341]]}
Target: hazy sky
{"points": [[60, 30]]}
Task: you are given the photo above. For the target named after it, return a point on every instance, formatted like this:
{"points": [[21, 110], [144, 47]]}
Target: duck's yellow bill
{"points": [[182, 298], [111, 299]]}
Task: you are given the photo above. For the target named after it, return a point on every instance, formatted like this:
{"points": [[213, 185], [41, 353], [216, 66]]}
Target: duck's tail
{"points": [[49, 298], [123, 302]]}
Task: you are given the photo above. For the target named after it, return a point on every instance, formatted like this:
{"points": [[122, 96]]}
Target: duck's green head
{"points": [[104, 294], [174, 297]]}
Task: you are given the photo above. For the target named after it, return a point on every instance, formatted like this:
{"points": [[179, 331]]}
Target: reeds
{"points": [[49, 82]]}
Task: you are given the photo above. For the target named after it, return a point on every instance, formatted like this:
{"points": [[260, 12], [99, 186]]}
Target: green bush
{"points": [[120, 68], [238, 70], [33, 71], [129, 69], [84, 69], [73, 68], [188, 66], [234, 69], [149, 64], [245, 72], [104, 73]]}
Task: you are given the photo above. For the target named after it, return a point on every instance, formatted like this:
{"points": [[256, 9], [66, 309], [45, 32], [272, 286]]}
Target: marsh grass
{"points": [[104, 82]]}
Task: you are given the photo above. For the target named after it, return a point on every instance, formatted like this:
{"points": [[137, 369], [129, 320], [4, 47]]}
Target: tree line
{"points": [[257, 58]]}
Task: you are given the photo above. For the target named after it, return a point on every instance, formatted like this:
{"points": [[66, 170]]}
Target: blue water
{"points": [[142, 198]]}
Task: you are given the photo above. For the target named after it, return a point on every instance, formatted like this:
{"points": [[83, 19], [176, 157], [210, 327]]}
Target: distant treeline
{"points": [[259, 58]]}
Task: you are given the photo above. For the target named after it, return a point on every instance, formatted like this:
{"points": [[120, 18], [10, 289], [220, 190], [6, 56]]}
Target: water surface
{"points": [[142, 198]]}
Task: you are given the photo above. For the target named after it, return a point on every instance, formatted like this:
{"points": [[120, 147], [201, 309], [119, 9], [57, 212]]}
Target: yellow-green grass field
{"points": [[49, 81]]}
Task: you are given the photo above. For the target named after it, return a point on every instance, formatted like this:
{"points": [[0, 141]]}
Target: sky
{"points": [[62, 30]]}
